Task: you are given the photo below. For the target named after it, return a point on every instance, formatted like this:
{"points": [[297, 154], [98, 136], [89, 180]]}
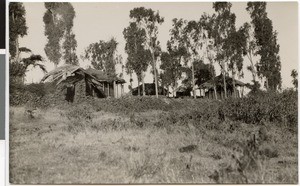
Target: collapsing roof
{"points": [[71, 74]]}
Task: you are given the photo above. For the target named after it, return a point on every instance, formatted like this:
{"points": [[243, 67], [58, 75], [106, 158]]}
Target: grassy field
{"points": [[83, 145]]}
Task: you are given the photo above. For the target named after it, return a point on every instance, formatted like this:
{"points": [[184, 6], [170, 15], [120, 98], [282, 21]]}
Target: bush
{"points": [[264, 106], [22, 94], [256, 108]]}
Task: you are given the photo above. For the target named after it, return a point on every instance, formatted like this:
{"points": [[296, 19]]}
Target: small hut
{"points": [[77, 82], [208, 87], [183, 91], [149, 90]]}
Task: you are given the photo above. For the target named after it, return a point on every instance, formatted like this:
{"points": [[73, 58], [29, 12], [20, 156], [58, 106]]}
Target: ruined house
{"points": [[77, 83]]}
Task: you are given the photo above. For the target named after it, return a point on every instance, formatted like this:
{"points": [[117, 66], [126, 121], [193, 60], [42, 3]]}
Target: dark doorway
{"points": [[70, 93]]}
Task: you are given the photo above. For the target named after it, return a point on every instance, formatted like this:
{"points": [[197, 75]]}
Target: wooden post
{"points": [[122, 89], [117, 90], [193, 80], [114, 87], [108, 89]]}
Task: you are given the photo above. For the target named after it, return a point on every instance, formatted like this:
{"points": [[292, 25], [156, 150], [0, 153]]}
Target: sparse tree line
{"points": [[194, 47]]}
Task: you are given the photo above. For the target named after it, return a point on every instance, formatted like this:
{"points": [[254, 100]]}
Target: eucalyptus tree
{"points": [[172, 69], [17, 28], [58, 20], [207, 23], [148, 20], [236, 44], [224, 24], [269, 65], [188, 44], [129, 70], [138, 58], [203, 73], [251, 53], [193, 38], [103, 56], [172, 59]]}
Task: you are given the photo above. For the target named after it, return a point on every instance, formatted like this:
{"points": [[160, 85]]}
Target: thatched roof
{"points": [[218, 81], [66, 73], [72, 74]]}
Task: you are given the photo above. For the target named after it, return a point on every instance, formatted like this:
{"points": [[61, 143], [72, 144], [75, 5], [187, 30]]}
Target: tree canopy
{"points": [[103, 56], [148, 20], [17, 27], [58, 20], [269, 65], [138, 58]]}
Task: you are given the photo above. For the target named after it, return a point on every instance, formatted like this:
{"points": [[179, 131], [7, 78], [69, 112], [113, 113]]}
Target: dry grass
{"points": [[115, 148]]}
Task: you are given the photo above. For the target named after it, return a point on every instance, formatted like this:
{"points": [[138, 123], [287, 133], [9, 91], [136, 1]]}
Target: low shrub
{"points": [[266, 106], [256, 108]]}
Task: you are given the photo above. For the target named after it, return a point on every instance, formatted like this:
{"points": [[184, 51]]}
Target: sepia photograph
{"points": [[153, 92]]}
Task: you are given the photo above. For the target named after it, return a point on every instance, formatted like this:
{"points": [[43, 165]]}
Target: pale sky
{"points": [[100, 21]]}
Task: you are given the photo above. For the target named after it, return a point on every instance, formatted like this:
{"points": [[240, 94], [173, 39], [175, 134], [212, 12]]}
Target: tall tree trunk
{"points": [[130, 74], [163, 88], [138, 86], [253, 71], [193, 80], [17, 48], [267, 84], [155, 74], [214, 83], [211, 68], [143, 84], [253, 74], [233, 84], [173, 91], [215, 91], [168, 91], [224, 79]]}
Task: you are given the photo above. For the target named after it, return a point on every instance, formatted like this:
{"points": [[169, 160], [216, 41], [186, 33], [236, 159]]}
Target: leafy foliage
{"points": [[18, 69], [25, 94], [224, 24], [138, 57], [251, 52], [103, 56], [58, 20], [148, 20], [294, 75], [269, 65], [203, 73], [17, 26], [172, 69], [263, 106]]}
